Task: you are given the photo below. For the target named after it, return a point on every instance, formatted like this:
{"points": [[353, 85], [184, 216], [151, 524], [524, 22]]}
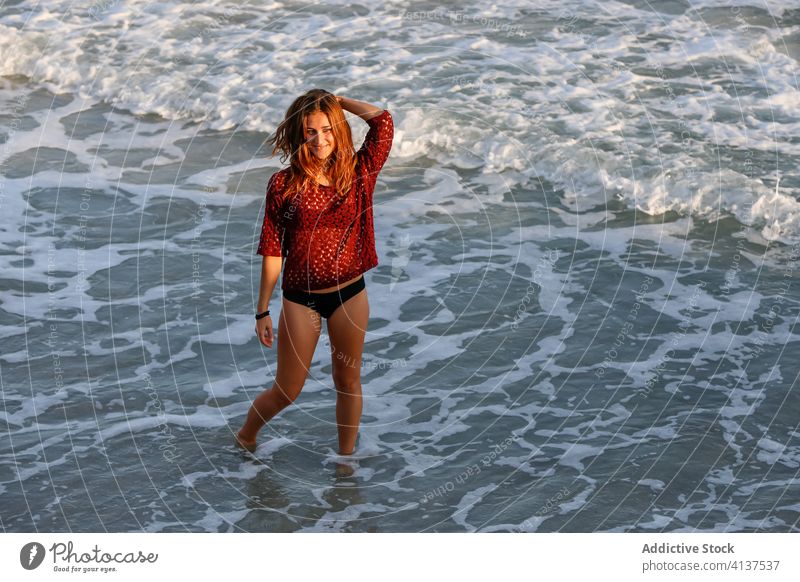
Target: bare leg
{"points": [[346, 329], [298, 333]]}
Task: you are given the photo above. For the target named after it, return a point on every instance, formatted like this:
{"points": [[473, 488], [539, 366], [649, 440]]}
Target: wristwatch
{"points": [[260, 315]]}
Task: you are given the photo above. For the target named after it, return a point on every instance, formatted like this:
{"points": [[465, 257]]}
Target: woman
{"points": [[319, 218]]}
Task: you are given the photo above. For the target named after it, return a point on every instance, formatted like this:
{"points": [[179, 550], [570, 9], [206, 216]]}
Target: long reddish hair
{"points": [[289, 139]]}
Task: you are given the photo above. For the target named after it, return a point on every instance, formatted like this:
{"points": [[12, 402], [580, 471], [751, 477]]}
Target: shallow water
{"points": [[587, 297]]}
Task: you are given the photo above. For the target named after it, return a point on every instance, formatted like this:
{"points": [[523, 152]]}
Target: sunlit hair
{"points": [[289, 139]]}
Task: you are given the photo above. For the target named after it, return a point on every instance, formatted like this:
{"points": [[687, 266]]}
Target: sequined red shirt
{"points": [[327, 239]]}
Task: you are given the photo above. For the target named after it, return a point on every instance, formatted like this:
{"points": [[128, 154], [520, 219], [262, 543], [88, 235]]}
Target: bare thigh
{"points": [[347, 328], [298, 332]]}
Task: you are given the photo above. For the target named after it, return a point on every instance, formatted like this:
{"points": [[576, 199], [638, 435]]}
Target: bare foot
{"points": [[344, 470], [246, 445]]}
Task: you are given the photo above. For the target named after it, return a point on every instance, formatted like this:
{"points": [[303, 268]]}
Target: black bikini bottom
{"points": [[325, 303]]}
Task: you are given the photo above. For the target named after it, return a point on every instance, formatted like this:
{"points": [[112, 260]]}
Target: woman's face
{"points": [[318, 134]]}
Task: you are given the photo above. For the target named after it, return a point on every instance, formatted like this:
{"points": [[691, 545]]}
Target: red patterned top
{"points": [[327, 239]]}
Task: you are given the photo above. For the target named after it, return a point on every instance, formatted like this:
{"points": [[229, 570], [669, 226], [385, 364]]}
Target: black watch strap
{"points": [[260, 315]]}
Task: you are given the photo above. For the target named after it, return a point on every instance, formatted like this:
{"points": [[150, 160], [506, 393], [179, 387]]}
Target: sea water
{"points": [[586, 305]]}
